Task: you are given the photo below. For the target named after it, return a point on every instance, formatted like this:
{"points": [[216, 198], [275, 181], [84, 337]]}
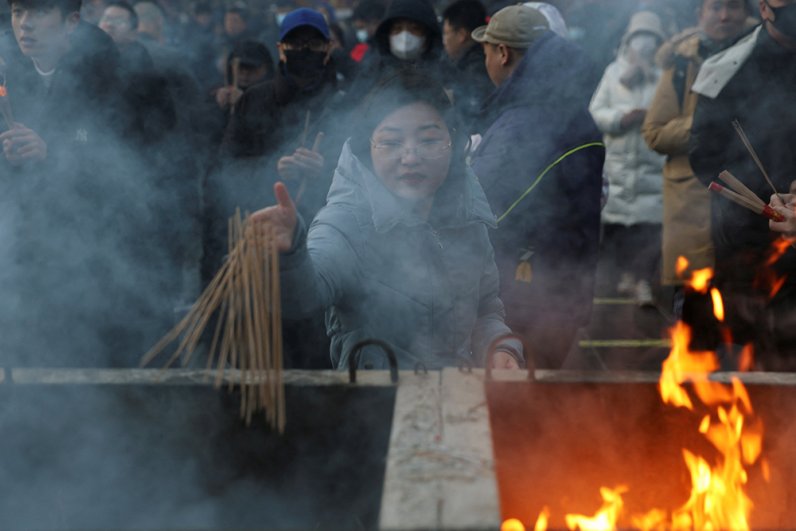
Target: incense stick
{"points": [[757, 208], [244, 299], [742, 135], [235, 80], [740, 188], [303, 140]]}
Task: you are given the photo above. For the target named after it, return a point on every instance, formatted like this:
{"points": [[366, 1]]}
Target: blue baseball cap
{"points": [[303, 17]]}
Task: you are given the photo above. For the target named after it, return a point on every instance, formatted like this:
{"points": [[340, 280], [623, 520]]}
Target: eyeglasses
{"points": [[425, 149], [313, 45]]}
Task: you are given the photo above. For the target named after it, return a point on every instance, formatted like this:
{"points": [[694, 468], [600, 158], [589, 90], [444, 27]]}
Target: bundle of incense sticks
{"points": [[738, 193], [244, 300], [748, 145], [5, 107]]}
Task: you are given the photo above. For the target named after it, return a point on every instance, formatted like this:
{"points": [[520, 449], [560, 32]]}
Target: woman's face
{"points": [[411, 151]]}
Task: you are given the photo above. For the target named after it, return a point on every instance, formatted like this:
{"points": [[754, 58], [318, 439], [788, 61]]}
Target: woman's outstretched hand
{"points": [[282, 217]]}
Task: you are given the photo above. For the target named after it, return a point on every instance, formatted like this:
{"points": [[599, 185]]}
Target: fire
{"points": [[512, 524], [718, 304], [718, 499], [606, 518], [767, 278]]}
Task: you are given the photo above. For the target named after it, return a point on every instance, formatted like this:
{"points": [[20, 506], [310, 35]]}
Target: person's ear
{"points": [[281, 50], [505, 55], [462, 34]]}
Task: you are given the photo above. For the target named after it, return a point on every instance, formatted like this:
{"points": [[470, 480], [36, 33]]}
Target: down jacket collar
{"points": [[459, 202]]}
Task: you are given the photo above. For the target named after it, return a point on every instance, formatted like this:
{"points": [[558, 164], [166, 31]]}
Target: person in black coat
{"points": [[84, 272], [289, 128], [754, 82], [409, 34], [469, 82]]}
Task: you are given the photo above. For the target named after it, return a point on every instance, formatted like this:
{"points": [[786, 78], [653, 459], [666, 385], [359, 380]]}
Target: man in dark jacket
{"points": [[469, 83], [540, 163], [82, 271], [277, 123], [284, 129], [754, 82]]}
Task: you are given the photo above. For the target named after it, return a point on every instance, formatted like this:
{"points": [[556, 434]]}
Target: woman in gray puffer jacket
{"points": [[401, 251]]}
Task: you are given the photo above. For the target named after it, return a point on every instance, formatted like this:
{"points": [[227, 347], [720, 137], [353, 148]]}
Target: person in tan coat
{"points": [[667, 128]]}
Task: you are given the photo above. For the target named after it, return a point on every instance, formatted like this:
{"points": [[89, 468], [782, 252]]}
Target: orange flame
{"points": [[681, 265], [717, 499], [768, 279], [606, 517], [512, 524], [544, 518], [718, 304]]}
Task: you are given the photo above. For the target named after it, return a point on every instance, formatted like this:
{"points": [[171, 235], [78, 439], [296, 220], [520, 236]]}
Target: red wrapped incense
{"points": [[758, 208]]}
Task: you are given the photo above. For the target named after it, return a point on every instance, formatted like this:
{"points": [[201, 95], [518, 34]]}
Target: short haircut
{"points": [[465, 14], [369, 10], [66, 6], [127, 7]]}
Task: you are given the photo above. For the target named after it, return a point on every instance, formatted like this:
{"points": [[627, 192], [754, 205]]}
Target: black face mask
{"points": [[785, 19], [305, 65]]}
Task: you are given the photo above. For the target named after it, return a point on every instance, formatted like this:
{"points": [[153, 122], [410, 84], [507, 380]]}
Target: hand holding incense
{"points": [[787, 225]]}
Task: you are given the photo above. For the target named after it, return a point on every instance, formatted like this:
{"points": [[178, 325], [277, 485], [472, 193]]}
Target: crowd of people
{"points": [[443, 176]]}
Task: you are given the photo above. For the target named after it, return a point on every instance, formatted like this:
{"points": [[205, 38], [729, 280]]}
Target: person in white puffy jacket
{"points": [[633, 214]]}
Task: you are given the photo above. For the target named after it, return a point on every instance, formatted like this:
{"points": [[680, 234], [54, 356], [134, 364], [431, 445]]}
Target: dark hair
{"points": [[369, 10], [251, 52], [127, 7], [66, 6], [404, 86], [238, 9], [465, 14]]}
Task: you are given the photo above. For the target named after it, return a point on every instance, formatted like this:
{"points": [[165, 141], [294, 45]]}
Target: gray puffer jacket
{"points": [[428, 288]]}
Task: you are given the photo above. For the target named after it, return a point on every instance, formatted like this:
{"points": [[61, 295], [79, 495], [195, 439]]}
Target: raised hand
{"points": [[281, 217]]}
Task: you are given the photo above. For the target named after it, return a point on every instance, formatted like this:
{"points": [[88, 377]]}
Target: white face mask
{"points": [[405, 45], [644, 46], [362, 35]]}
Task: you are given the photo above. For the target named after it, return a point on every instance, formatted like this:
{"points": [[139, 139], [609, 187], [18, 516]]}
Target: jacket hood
{"points": [[553, 70], [357, 187], [417, 10], [685, 44], [644, 22]]}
